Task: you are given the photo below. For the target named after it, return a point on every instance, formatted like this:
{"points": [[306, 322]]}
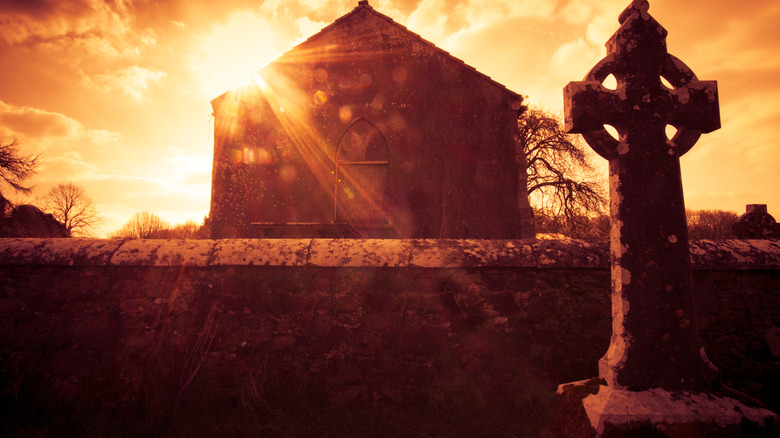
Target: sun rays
{"points": [[232, 53], [272, 114]]}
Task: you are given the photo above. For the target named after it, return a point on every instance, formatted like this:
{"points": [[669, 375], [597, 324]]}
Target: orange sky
{"points": [[115, 94]]}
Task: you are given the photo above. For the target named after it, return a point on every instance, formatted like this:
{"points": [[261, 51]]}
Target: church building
{"points": [[366, 130]]}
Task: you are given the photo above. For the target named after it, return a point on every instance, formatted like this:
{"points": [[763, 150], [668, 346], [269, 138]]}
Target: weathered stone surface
{"points": [[735, 254], [57, 252], [259, 252], [579, 254], [444, 253], [674, 414], [163, 252], [655, 340], [364, 252], [548, 254]]}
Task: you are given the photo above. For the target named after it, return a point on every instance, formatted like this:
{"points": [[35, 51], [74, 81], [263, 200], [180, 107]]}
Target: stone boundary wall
{"points": [[730, 254], [166, 325]]}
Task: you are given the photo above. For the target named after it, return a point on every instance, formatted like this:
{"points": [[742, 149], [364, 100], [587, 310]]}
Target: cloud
{"points": [[430, 22], [50, 132], [307, 27], [27, 122], [132, 81], [68, 150], [46, 19], [475, 11], [574, 58], [184, 165], [73, 31], [69, 166]]}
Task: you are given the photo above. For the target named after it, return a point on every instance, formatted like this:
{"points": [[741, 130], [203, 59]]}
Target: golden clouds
{"points": [[88, 27], [45, 131], [132, 81], [32, 122], [52, 135]]}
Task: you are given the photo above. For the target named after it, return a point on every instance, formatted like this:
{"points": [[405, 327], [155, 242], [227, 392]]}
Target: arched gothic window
{"points": [[362, 165]]}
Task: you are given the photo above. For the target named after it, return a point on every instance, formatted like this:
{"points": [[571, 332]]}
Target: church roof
{"points": [[362, 7]]}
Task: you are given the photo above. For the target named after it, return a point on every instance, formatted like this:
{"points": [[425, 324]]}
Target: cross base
{"points": [[614, 413]]}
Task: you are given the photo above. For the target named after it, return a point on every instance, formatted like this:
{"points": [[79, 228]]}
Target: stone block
{"points": [[656, 412], [57, 252], [574, 254], [260, 252], [163, 252], [444, 253], [359, 253]]}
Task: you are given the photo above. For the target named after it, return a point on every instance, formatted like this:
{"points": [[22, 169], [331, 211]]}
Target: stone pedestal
{"points": [[659, 413]]}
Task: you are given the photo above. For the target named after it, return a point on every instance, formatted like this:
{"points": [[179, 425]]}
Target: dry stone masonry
{"points": [[123, 332]]}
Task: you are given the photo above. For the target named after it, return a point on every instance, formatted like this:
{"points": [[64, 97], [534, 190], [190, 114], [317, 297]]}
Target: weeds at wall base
{"points": [[282, 406]]}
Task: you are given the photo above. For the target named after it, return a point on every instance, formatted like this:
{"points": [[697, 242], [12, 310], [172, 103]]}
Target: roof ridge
{"points": [[363, 4]]}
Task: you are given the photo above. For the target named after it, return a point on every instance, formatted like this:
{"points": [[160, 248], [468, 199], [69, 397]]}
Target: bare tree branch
{"points": [[71, 205], [711, 224], [143, 225], [563, 187], [15, 168]]}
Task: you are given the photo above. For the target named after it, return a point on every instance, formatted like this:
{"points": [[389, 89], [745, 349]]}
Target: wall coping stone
{"points": [[730, 254], [163, 252], [260, 252]]}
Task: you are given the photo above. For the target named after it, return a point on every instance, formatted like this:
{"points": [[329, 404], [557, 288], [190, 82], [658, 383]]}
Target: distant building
{"points": [[368, 130], [756, 223]]}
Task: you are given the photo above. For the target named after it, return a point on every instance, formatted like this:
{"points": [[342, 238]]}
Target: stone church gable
{"points": [[365, 24], [447, 133]]}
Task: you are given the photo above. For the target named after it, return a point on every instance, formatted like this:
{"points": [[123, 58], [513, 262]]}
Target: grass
{"points": [[268, 402]]}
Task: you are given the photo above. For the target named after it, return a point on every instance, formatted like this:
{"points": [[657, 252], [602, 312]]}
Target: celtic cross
{"points": [[655, 340]]}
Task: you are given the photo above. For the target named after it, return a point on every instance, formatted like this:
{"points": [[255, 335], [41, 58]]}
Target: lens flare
{"points": [[320, 98], [345, 113]]}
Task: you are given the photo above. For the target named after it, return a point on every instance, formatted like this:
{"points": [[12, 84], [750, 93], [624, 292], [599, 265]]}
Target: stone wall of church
{"points": [[451, 169], [115, 324]]}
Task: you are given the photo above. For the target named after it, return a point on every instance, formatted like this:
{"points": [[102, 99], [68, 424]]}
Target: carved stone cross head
{"points": [[638, 59]]}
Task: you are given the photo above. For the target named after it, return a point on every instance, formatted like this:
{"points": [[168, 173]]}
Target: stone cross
{"points": [[655, 341]]}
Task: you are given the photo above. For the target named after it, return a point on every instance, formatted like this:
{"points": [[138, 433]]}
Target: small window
{"points": [[362, 165]]}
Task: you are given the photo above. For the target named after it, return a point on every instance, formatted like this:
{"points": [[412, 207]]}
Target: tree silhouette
{"points": [[71, 206], [14, 169], [143, 225], [563, 187], [711, 224], [187, 230]]}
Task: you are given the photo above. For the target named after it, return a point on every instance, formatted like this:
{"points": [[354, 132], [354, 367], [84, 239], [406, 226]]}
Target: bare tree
{"points": [[143, 225], [70, 205], [590, 227], [186, 230], [15, 168], [711, 224], [562, 184]]}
